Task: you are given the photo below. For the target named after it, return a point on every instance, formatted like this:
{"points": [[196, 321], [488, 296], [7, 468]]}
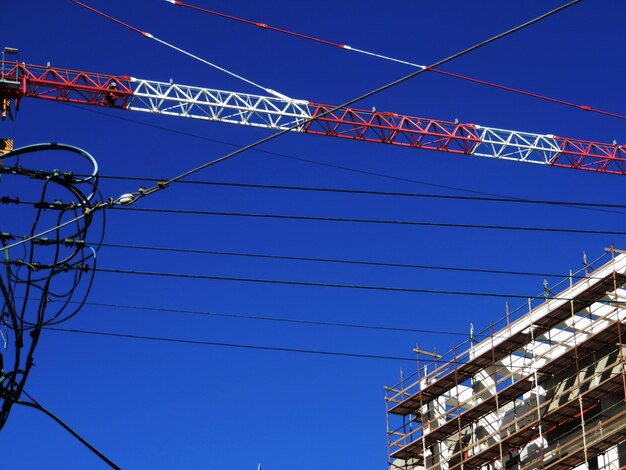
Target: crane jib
{"points": [[18, 80]]}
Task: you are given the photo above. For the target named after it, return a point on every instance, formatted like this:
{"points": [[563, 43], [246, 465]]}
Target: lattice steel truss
{"points": [[18, 80]]}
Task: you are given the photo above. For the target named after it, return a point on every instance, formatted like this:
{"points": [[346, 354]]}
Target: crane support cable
{"points": [[178, 49], [329, 111], [337, 121], [396, 60]]}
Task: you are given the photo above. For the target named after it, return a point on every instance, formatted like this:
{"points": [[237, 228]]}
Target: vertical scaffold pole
{"points": [[619, 324], [534, 371], [578, 384], [389, 438], [458, 415], [423, 413], [495, 391]]}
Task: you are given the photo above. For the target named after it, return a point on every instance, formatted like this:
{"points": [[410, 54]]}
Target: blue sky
{"points": [[161, 405]]}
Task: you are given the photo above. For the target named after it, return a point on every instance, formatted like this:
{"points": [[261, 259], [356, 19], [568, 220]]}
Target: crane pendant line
{"points": [[18, 80]]}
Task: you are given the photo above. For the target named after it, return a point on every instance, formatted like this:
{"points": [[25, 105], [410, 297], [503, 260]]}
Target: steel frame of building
{"points": [[546, 391]]}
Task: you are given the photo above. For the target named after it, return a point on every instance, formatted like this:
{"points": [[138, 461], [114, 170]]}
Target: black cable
{"points": [[364, 221], [231, 345], [340, 286], [164, 184], [365, 192], [37, 278], [439, 361], [373, 221], [341, 261], [326, 260], [36, 405], [274, 319]]}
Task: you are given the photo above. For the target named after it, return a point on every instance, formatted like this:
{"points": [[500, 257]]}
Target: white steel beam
{"points": [[217, 105]]}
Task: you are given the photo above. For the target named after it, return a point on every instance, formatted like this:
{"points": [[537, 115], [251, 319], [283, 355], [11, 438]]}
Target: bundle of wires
{"points": [[44, 280]]}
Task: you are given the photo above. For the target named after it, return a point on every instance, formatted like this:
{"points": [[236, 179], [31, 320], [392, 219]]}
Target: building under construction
{"points": [[538, 390]]}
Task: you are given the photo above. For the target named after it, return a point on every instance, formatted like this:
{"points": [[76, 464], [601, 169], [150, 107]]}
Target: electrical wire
{"points": [[288, 320], [366, 192], [396, 289], [36, 405], [338, 261], [275, 319], [375, 221], [39, 265], [437, 361], [567, 230], [41, 234], [47, 241], [229, 345], [396, 60]]}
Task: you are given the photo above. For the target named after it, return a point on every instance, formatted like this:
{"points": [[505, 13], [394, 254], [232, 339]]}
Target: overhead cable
{"points": [[337, 261], [230, 345], [376, 221], [395, 289], [36, 405], [275, 319], [368, 192], [437, 361]]}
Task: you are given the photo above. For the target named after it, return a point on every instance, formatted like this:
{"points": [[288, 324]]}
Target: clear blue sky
{"points": [[160, 405]]}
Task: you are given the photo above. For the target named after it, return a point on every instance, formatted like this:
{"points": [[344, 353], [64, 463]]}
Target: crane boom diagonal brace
{"points": [[18, 80]]}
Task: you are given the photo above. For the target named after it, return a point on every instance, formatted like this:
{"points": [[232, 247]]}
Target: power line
{"points": [[67, 242], [36, 405], [276, 319], [336, 261], [410, 290], [375, 221], [230, 345], [366, 192], [312, 218], [439, 361]]}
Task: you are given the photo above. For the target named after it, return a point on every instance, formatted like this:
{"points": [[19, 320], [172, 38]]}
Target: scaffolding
{"points": [[544, 391]]}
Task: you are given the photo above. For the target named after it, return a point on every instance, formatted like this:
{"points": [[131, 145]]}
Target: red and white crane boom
{"points": [[18, 80]]}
